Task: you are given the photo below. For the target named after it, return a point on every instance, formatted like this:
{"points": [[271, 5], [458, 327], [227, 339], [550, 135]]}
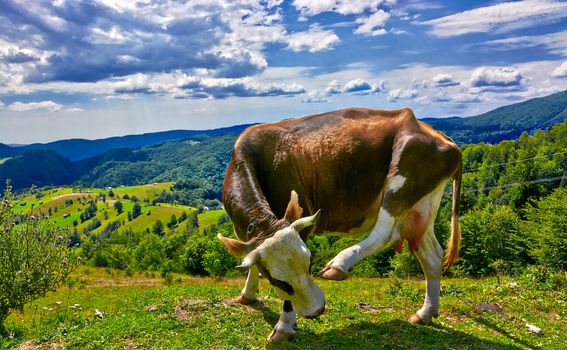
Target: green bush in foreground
{"points": [[34, 258]]}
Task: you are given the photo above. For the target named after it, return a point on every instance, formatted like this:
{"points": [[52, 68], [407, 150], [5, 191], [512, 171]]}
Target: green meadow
{"points": [[142, 312]]}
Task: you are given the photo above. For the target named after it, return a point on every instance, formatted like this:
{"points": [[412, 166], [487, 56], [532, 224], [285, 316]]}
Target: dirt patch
{"points": [[188, 309], [32, 345], [366, 308], [455, 318], [130, 345], [488, 307], [72, 195]]}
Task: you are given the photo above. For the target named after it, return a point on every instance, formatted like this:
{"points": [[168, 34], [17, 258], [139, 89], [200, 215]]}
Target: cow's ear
{"points": [[293, 211], [235, 247]]}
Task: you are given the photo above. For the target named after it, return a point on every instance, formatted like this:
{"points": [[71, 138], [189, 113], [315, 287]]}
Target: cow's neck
{"points": [[246, 204]]}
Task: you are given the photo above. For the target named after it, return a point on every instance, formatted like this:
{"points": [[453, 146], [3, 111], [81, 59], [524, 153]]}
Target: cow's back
{"points": [[336, 162]]}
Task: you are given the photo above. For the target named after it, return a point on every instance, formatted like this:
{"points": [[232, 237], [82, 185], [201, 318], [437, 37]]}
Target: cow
{"points": [[351, 171]]}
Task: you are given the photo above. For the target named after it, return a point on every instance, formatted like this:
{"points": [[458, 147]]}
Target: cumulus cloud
{"points": [[499, 18], [402, 94], [220, 88], [561, 71], [362, 87], [333, 88], [444, 80], [374, 24], [358, 85], [89, 41], [344, 7], [504, 78], [314, 40], [49, 106], [315, 96]]}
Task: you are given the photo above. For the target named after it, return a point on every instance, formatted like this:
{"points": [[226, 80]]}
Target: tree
{"points": [[111, 194], [158, 228], [118, 207], [173, 222], [136, 210], [34, 258], [547, 226]]}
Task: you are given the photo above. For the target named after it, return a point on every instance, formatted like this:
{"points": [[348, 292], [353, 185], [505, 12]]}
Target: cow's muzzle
{"points": [[317, 313]]}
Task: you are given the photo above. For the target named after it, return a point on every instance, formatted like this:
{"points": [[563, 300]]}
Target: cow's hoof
{"points": [[244, 300], [415, 319], [332, 273], [280, 335]]}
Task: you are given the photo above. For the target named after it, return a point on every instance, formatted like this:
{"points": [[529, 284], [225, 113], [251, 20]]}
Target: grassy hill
{"points": [[139, 312], [65, 205]]}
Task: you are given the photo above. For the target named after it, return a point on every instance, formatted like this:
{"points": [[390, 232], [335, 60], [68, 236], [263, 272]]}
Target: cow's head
{"points": [[285, 261]]}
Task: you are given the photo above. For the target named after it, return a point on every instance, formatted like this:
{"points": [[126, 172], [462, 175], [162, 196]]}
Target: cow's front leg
{"points": [[248, 294], [284, 328], [383, 234]]}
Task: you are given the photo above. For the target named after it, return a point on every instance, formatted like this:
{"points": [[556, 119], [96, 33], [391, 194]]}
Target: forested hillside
{"points": [[508, 122]]}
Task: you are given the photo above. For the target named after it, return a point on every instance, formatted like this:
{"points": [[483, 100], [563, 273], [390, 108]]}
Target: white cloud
{"points": [[561, 71], [220, 88], [315, 96], [35, 106], [333, 88], [499, 18], [499, 77], [362, 87], [444, 80], [402, 94], [357, 85], [373, 25], [343, 7], [314, 40], [2, 104], [74, 109], [555, 43]]}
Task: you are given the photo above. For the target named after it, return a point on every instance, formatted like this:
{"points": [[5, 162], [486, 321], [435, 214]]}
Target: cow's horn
{"points": [[302, 223], [249, 260]]}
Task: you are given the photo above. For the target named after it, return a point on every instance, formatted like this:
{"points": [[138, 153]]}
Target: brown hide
{"points": [[337, 162]]}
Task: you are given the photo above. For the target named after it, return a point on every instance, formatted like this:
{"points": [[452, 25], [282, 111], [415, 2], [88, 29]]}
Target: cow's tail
{"points": [[452, 253]]}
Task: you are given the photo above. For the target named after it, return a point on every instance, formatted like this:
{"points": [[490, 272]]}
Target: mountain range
{"points": [[203, 155], [77, 149]]}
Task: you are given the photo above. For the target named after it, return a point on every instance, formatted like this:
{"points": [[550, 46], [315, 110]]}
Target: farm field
{"points": [[140, 312]]}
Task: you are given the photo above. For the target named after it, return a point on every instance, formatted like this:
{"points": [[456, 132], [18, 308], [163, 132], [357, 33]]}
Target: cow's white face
{"points": [[285, 261]]}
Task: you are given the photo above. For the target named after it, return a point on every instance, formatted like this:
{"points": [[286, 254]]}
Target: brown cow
{"points": [[366, 171]]}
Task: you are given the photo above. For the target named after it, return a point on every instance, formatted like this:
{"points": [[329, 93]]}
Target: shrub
{"points": [[34, 258]]}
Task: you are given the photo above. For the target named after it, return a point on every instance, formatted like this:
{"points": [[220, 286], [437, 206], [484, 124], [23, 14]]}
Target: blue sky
{"points": [[100, 68]]}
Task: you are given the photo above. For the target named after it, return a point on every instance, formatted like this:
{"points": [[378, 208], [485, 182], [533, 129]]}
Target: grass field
{"points": [[139, 312]]}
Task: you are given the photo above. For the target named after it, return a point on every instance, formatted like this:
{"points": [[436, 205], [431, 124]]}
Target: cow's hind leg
{"points": [[430, 256], [248, 294], [283, 330]]}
